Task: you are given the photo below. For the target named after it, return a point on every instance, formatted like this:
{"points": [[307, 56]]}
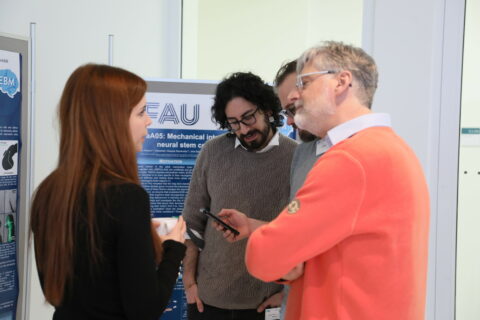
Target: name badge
{"points": [[272, 314]]}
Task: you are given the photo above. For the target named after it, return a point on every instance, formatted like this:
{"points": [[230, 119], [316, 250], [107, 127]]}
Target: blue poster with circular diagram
{"points": [[10, 147]]}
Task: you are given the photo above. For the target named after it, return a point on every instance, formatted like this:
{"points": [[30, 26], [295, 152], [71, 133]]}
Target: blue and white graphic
{"points": [[10, 151], [288, 131], [9, 83], [9, 73]]}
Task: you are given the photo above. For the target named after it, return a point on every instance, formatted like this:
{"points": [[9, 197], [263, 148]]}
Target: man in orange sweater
{"points": [[353, 242]]}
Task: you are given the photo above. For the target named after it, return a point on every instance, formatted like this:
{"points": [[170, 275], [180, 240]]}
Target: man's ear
{"points": [[345, 78]]}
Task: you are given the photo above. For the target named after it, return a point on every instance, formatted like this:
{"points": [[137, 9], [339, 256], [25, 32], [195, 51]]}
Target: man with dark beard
{"points": [[246, 169]]}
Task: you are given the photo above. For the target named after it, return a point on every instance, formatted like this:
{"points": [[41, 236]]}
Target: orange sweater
{"points": [[362, 230]]}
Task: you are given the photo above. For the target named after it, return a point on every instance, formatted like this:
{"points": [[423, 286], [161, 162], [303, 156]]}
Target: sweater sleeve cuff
{"points": [[174, 249]]}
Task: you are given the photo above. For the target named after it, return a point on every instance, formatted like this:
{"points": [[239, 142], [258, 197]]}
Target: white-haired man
{"points": [[354, 242]]}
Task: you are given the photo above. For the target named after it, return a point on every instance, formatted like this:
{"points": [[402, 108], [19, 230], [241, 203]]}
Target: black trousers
{"points": [[212, 313]]}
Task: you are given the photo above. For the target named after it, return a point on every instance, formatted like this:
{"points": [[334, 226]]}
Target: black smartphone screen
{"points": [[220, 221]]}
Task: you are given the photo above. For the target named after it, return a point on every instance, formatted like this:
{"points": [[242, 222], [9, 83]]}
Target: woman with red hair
{"points": [[97, 252]]}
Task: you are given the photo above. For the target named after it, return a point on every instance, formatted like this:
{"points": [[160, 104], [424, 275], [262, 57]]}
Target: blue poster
{"points": [[10, 147], [181, 124]]}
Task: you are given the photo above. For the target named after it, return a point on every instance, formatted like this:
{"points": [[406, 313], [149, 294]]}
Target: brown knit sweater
{"points": [[254, 183]]}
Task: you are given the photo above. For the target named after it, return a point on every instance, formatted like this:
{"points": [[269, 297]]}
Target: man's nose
{"points": [[293, 95]]}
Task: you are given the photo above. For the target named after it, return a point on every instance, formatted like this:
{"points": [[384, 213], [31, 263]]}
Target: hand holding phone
{"points": [[220, 221]]}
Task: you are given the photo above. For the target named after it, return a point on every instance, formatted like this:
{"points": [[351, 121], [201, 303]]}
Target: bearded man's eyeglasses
{"points": [[248, 120]]}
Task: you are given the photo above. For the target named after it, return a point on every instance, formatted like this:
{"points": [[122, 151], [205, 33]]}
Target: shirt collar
{"points": [[322, 145], [275, 141], [351, 127]]}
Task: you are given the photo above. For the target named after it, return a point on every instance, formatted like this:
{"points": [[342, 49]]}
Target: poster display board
{"points": [[10, 150], [181, 124]]}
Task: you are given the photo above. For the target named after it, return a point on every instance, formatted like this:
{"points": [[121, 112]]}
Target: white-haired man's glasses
{"points": [[302, 84]]}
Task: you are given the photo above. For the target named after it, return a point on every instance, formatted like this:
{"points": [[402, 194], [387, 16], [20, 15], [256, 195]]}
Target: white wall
{"points": [[418, 48], [468, 259], [260, 35], [71, 33]]}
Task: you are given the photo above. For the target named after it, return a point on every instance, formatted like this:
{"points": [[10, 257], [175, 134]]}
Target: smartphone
{"points": [[220, 221]]}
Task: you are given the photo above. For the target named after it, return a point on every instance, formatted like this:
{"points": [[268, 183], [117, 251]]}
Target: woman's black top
{"points": [[126, 283]]}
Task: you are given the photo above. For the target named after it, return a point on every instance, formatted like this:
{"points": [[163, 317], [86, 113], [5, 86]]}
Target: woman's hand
{"points": [[177, 233]]}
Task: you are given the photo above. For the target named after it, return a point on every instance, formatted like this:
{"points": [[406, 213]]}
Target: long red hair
{"points": [[96, 150]]}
